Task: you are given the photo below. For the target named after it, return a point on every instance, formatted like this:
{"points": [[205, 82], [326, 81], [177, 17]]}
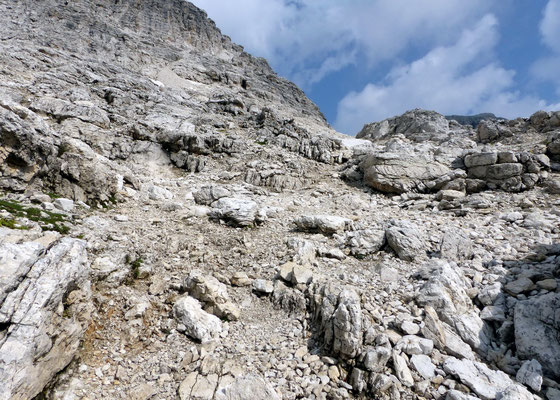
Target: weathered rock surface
{"points": [[406, 240], [398, 173], [537, 326], [213, 293], [248, 387], [327, 224], [486, 383], [44, 312], [238, 211], [445, 291]]}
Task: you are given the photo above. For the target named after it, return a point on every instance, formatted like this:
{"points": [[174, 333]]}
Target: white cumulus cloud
{"points": [[461, 78]]}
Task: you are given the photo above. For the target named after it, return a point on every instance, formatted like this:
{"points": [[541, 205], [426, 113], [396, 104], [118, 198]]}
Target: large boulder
{"points": [[398, 173], [537, 332], [44, 312], [237, 211], [483, 381]]}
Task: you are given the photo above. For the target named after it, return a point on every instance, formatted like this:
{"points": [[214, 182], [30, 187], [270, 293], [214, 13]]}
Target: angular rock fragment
{"points": [[486, 383], [213, 293], [199, 324], [246, 387], [327, 224], [530, 374], [401, 370], [406, 240], [423, 365]]}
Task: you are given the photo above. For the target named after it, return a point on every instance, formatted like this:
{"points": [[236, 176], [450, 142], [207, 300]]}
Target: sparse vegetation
{"points": [[135, 265]]}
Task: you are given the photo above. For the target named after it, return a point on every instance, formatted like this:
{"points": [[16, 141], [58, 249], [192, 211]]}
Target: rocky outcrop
{"points": [[339, 321], [509, 171], [417, 125], [503, 130], [44, 312], [445, 292], [25, 144]]}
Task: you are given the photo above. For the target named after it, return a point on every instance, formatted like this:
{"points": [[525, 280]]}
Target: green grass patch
{"points": [[48, 220]]}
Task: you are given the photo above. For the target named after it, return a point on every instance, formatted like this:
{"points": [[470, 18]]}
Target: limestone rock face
{"points": [[44, 312], [233, 232]]}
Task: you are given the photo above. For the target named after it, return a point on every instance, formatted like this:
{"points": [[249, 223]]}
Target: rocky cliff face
{"points": [[177, 221]]}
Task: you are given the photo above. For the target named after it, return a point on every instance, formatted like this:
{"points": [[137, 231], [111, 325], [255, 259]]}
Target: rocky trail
{"points": [[178, 222]]}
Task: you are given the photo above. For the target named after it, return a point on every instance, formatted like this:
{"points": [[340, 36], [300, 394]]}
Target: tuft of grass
{"points": [[11, 223], [135, 265], [53, 195]]}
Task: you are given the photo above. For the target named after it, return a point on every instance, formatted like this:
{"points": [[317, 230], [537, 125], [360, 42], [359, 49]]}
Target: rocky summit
{"points": [[179, 222]]}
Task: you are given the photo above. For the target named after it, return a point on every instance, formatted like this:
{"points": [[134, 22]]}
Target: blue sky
{"points": [[366, 60]]}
